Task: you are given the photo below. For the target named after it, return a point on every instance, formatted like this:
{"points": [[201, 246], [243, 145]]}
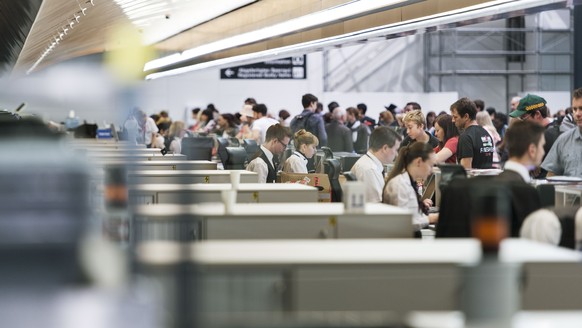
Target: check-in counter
{"points": [[229, 279], [203, 193], [552, 276], [163, 165], [188, 177], [210, 221], [97, 151], [244, 281], [121, 156], [568, 195], [101, 145]]}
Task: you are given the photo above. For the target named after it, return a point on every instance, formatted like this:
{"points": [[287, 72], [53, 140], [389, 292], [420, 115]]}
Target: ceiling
{"points": [[52, 31]]}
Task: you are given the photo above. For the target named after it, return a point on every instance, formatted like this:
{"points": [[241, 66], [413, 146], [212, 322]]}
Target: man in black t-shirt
{"points": [[475, 148]]}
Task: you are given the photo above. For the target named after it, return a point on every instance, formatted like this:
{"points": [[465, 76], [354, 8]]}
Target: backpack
{"points": [[300, 122]]}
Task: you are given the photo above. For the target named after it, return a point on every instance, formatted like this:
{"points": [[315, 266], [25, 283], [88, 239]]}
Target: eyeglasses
{"points": [[525, 116], [284, 144]]}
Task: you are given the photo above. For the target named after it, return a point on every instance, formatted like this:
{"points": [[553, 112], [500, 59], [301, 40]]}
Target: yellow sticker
{"points": [[256, 196], [206, 179], [174, 167], [332, 221]]}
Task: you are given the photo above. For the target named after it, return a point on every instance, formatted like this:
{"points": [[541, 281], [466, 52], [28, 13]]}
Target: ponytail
{"points": [[406, 155], [400, 163]]}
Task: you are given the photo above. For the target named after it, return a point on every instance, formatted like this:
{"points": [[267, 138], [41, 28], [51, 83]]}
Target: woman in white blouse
{"points": [[175, 135], [413, 165], [305, 147]]}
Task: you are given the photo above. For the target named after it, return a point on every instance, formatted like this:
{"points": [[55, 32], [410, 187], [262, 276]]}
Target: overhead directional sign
{"points": [[290, 68]]}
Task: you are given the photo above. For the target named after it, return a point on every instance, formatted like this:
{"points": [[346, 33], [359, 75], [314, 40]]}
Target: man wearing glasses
{"points": [[266, 160], [565, 157], [533, 108]]}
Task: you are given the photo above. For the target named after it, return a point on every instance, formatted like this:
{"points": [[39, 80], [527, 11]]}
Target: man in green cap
{"points": [[533, 108]]}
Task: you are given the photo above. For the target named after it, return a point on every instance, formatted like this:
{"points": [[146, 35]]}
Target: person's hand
{"points": [[427, 202], [433, 218]]}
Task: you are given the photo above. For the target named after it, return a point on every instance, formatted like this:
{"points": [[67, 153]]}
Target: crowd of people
{"points": [[533, 145]]}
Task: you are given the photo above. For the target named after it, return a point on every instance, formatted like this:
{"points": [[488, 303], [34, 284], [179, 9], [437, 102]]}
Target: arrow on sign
{"points": [[229, 72]]}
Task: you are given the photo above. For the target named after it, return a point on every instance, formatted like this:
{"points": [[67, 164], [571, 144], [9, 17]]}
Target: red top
{"points": [[451, 144]]}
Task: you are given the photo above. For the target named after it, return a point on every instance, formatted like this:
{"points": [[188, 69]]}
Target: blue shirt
{"points": [[565, 157]]}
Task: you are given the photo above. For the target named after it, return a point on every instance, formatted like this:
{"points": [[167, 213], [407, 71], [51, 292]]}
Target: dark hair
{"points": [[250, 101], [405, 156], [277, 131], [577, 94], [332, 105], [211, 107], [362, 107], [284, 114], [196, 110], [353, 111], [465, 106], [307, 99], [430, 124], [520, 135], [543, 111], [383, 135], [414, 105], [490, 110], [208, 113], [408, 154], [165, 126], [261, 109], [445, 121], [480, 104], [231, 119]]}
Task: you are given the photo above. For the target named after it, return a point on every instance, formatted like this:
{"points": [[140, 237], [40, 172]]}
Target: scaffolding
{"points": [[523, 58]]}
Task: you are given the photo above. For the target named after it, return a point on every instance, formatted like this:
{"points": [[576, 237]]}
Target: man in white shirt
{"points": [[265, 162], [525, 142], [261, 123], [369, 169], [146, 128]]}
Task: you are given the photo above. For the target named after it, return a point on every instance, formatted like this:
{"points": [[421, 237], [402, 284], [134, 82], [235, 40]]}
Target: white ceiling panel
{"points": [[160, 19]]}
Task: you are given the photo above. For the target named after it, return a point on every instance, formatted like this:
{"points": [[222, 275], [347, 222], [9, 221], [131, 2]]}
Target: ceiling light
{"points": [[344, 11], [61, 32], [484, 12]]}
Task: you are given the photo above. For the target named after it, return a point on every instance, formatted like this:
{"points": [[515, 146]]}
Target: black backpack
{"points": [[300, 122]]}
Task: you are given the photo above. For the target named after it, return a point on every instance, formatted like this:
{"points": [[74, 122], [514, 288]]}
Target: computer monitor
{"points": [[450, 172]]}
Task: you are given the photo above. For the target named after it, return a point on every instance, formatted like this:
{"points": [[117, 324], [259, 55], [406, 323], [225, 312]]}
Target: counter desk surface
{"points": [[209, 221], [212, 192]]}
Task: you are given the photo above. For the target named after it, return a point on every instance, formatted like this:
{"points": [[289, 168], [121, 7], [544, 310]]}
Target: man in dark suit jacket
{"points": [[525, 142], [339, 136]]}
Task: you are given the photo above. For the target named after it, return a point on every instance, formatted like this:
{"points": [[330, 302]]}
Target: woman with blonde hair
{"points": [[175, 135], [305, 147], [413, 164]]}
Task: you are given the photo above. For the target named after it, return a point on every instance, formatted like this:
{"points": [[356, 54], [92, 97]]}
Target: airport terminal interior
{"points": [[291, 164]]}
